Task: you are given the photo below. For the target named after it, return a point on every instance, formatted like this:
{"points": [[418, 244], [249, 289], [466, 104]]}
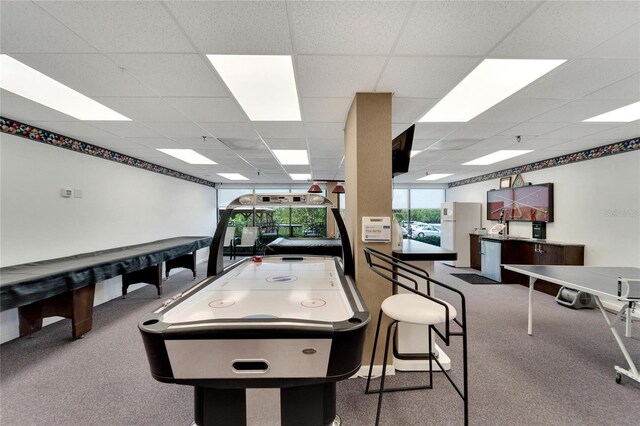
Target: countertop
{"points": [[529, 240], [416, 250]]}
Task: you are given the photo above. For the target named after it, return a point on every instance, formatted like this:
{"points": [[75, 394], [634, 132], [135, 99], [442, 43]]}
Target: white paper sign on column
{"points": [[376, 229]]}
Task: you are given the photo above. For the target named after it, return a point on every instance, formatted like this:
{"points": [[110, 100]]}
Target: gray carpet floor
{"points": [[562, 375]]}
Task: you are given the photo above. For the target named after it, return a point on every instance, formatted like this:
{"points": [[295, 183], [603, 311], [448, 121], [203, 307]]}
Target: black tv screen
{"points": [[531, 203], [401, 151]]}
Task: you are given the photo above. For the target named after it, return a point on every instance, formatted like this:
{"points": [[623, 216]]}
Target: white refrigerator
{"points": [[458, 220]]}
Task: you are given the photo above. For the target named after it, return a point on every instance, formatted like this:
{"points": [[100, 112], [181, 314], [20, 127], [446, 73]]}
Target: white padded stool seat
{"points": [[416, 309]]}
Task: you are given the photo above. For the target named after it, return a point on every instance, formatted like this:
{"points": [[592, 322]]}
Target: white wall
{"points": [[120, 205], [597, 203]]}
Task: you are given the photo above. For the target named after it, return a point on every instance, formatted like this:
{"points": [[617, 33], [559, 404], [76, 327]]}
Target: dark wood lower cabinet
{"points": [[475, 260], [536, 252]]}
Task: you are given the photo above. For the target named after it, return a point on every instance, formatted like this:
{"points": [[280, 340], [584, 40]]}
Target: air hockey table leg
{"points": [[299, 406]]}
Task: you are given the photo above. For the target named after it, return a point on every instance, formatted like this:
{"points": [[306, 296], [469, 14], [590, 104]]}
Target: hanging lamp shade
{"points": [[339, 189], [315, 189]]}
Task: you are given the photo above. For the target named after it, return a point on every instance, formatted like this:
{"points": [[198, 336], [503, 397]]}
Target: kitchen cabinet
{"points": [[474, 251], [525, 251]]}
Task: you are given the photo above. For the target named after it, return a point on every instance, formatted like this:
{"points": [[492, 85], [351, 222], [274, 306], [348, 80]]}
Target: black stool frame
{"points": [[391, 269]]}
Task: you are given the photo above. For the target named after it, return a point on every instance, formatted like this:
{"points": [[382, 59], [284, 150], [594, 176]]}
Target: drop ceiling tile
{"points": [[230, 130], [419, 77], [24, 110], [451, 28], [158, 143], [453, 144], [173, 74], [625, 44], [325, 130], [346, 27], [627, 88], [111, 26], [287, 143], [337, 76], [578, 110], [25, 27], [238, 145], [409, 110], [223, 110], [565, 29], [579, 78], [474, 130], [518, 110], [617, 134], [422, 144], [435, 130], [280, 129], [142, 109], [91, 74], [177, 129], [531, 129], [229, 27], [125, 129], [581, 130], [326, 154], [325, 110]]}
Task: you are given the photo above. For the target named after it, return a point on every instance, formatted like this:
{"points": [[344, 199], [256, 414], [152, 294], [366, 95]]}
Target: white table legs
{"points": [[532, 281]]}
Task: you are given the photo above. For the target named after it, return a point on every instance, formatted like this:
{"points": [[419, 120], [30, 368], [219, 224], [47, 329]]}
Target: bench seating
{"points": [[65, 286]]}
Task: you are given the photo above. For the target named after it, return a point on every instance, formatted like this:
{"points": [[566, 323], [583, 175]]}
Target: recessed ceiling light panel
{"points": [[489, 83], [292, 157], [497, 156], [626, 114], [233, 176], [300, 176], [263, 85], [188, 156], [24, 81]]}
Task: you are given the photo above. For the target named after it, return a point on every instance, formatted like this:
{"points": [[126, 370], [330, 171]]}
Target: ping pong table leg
{"points": [[532, 281], [627, 330], [633, 371]]}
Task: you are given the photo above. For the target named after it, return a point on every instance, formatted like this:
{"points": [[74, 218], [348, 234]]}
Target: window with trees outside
{"points": [[418, 212]]}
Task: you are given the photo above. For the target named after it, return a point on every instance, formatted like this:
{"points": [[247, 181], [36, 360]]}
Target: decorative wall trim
{"points": [[588, 154], [17, 128]]}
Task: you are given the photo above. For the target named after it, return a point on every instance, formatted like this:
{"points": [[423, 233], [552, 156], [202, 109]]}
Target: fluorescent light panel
{"points": [[233, 176], [300, 176], [414, 153], [501, 155], [436, 176], [264, 86], [489, 83], [24, 81], [626, 114], [188, 156], [292, 157]]}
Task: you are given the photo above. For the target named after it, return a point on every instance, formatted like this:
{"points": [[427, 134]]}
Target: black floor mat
{"points": [[475, 279]]}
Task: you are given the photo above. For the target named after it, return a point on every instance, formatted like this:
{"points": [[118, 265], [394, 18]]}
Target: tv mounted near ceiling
{"points": [[401, 151], [529, 203]]}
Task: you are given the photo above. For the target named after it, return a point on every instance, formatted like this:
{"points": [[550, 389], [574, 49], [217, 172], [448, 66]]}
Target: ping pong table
{"points": [[619, 283]]}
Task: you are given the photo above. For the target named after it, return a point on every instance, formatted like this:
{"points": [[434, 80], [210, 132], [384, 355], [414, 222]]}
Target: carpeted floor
{"points": [[562, 375]]}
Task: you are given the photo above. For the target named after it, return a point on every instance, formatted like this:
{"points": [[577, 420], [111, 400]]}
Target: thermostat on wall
{"points": [[376, 229], [66, 193]]}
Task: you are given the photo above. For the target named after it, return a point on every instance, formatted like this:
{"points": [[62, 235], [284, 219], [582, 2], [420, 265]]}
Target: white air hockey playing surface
{"points": [[275, 287]]}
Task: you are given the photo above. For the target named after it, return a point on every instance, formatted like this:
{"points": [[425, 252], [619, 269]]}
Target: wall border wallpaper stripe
{"points": [[17, 128], [588, 154]]}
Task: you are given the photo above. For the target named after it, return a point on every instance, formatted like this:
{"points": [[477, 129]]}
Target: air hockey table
{"points": [[266, 338]]}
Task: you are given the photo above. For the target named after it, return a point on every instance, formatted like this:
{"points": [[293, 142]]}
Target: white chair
{"points": [[417, 307], [248, 239], [229, 238]]}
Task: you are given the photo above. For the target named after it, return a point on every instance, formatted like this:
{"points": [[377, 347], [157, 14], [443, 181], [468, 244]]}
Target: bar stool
{"points": [[416, 307]]}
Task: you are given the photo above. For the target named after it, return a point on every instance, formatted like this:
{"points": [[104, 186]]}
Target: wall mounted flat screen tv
{"points": [[401, 151], [531, 203]]}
